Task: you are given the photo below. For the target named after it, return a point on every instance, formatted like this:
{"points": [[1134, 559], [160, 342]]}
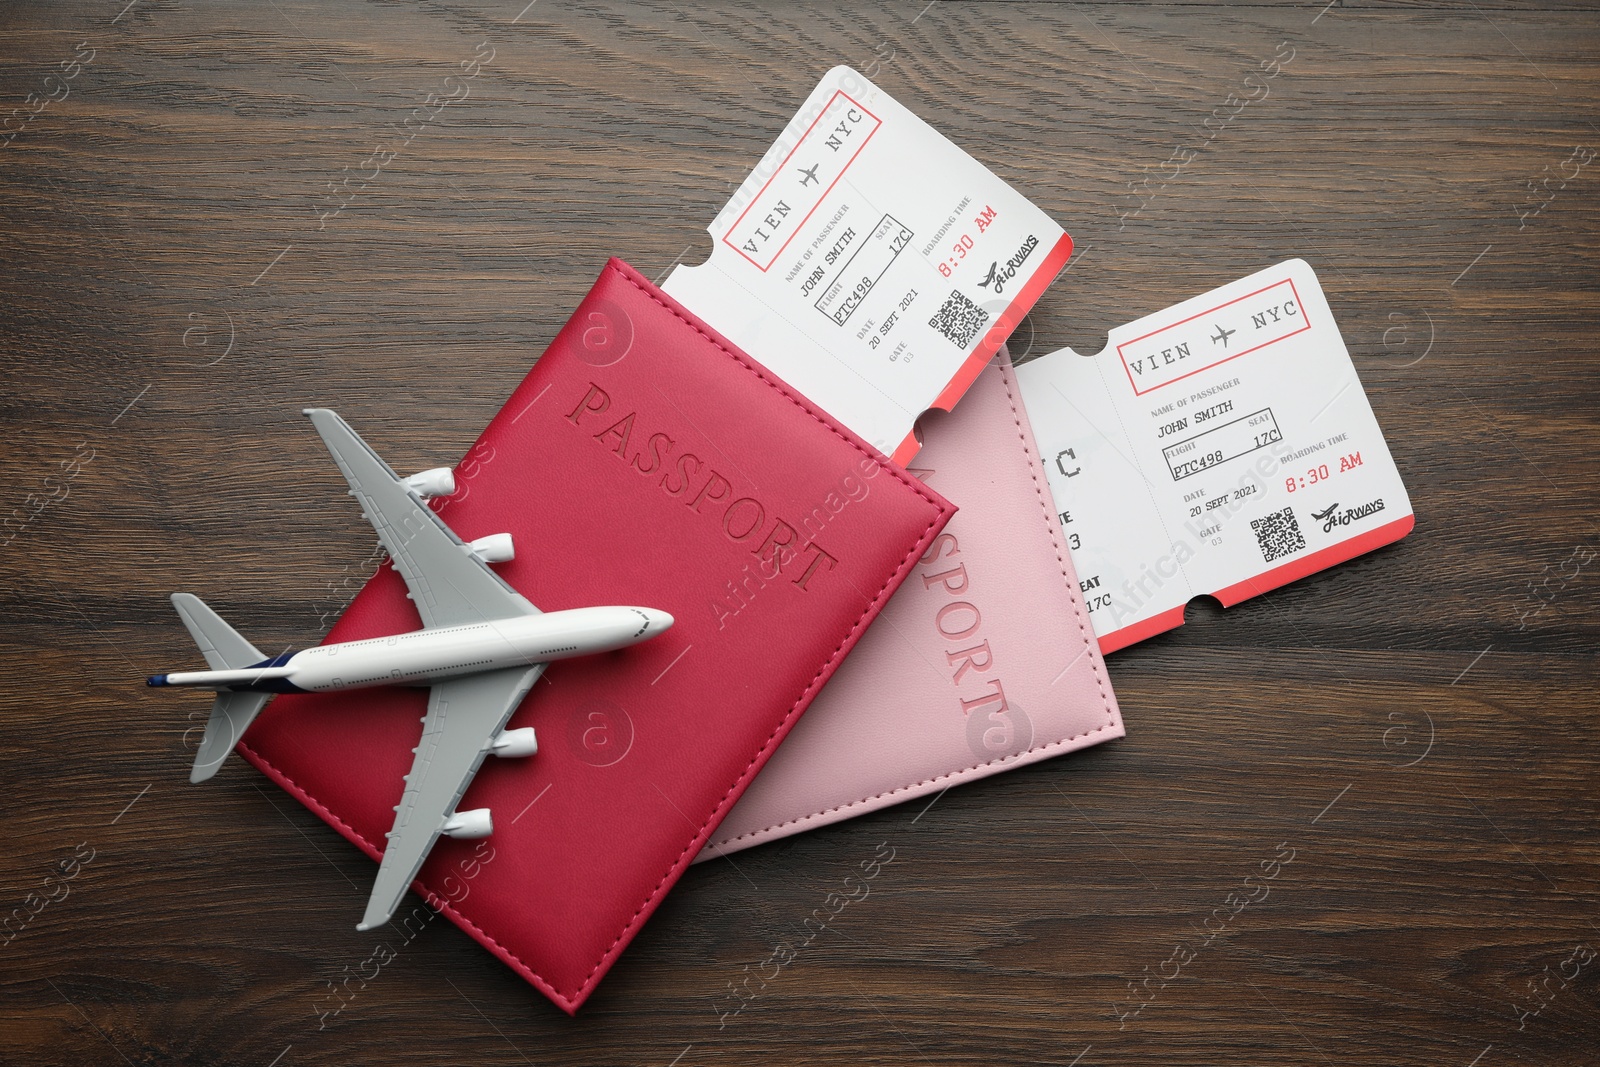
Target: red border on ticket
{"points": [[995, 336], [779, 169], [1266, 581], [1201, 314]]}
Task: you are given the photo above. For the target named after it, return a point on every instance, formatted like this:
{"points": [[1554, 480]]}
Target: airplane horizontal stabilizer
{"points": [[231, 715], [224, 649], [221, 644]]}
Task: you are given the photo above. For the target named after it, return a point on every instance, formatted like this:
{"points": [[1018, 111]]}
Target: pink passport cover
{"points": [[982, 661]]}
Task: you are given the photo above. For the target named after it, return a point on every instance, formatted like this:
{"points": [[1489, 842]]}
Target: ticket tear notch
{"points": [[870, 263], [1223, 447]]}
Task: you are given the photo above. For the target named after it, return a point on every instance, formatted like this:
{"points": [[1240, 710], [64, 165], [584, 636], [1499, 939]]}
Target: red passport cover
{"points": [[644, 460]]}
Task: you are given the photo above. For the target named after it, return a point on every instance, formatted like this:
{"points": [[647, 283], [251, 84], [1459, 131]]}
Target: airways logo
{"points": [[1332, 516], [999, 275]]}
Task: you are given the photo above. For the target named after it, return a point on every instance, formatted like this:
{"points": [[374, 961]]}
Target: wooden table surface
{"points": [[1416, 728]]}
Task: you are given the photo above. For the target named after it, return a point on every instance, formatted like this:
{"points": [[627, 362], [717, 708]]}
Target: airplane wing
{"points": [[449, 585], [465, 715]]}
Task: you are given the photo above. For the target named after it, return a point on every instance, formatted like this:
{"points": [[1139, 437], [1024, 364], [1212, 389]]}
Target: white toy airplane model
{"points": [[481, 647]]}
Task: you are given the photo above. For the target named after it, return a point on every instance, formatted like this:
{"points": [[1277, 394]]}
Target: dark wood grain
{"points": [[1419, 727]]}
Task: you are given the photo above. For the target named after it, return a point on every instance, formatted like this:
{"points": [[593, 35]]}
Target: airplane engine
{"points": [[514, 743], [439, 481], [495, 548], [466, 825]]}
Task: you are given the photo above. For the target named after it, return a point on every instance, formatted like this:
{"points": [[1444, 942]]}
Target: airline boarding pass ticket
{"points": [[870, 263], [1223, 446]]}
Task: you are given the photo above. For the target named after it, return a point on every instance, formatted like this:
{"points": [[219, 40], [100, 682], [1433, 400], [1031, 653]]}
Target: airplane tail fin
{"points": [[232, 713]]}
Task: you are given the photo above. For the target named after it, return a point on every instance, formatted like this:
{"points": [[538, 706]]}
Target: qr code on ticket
{"points": [[1278, 534], [959, 320]]}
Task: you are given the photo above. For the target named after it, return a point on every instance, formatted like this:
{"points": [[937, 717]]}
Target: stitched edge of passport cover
{"points": [[1112, 726], [571, 1001]]}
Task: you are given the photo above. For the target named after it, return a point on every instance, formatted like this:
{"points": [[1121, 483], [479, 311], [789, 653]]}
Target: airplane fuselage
{"points": [[423, 657]]}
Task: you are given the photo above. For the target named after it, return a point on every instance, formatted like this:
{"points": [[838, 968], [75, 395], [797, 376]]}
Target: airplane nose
{"points": [[659, 620]]}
